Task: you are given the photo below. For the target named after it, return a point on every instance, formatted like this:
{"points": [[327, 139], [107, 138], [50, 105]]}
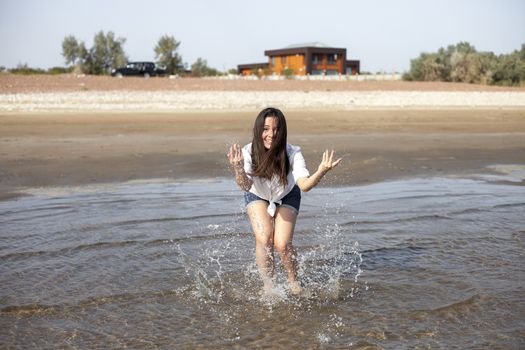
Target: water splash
{"points": [[324, 269], [223, 279]]}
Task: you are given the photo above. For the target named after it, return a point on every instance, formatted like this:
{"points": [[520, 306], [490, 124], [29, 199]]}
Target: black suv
{"points": [[143, 69]]}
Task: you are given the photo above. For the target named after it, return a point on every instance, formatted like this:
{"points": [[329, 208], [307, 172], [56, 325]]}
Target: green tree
{"points": [[107, 52], [74, 52], [427, 67], [510, 69], [487, 63], [200, 68], [167, 56], [464, 67], [70, 50], [463, 63], [457, 63]]}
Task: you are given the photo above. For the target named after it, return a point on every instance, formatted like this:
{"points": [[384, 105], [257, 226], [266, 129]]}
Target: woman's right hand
{"points": [[236, 159], [235, 156]]}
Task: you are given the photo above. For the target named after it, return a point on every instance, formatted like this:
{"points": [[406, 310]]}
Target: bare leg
{"points": [[285, 219], [262, 226]]}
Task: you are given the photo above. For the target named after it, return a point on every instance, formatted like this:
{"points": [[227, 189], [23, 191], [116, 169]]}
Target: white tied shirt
{"points": [[272, 190]]}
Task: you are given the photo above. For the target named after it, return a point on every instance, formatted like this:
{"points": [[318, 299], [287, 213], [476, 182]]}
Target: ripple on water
{"points": [[423, 262]]}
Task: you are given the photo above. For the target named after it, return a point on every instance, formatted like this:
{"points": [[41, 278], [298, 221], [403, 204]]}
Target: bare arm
{"points": [[236, 159], [327, 164]]}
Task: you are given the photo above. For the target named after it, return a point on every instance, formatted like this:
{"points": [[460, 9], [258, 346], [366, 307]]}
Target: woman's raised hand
{"points": [[236, 159], [235, 156], [327, 163]]}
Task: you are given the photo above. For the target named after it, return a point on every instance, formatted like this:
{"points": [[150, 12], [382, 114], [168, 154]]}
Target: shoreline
{"points": [[487, 175], [40, 150]]}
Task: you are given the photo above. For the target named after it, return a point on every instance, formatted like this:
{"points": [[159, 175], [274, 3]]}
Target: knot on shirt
{"points": [[272, 207]]}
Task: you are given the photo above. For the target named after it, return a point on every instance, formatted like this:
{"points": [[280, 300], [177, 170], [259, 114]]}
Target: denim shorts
{"points": [[292, 200]]}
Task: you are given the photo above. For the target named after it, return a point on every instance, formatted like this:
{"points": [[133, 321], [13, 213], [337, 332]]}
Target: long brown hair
{"points": [[274, 161]]}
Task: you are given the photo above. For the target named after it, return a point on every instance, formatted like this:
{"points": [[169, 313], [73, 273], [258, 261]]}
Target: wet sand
{"points": [[69, 149]]}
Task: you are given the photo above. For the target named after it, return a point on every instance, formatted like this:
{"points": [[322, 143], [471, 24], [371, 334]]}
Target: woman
{"points": [[273, 173]]}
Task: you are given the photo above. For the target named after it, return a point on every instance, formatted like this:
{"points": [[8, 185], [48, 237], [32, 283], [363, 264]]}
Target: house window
{"points": [[283, 60], [332, 59], [273, 61], [316, 59]]}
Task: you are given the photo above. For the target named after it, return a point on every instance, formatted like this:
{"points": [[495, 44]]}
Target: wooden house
{"points": [[303, 59]]}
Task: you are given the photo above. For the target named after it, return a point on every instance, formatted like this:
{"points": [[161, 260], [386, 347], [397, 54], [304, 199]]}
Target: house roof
{"points": [[311, 44], [313, 47], [253, 65]]}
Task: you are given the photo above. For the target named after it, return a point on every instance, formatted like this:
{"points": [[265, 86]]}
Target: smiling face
{"points": [[269, 156], [269, 131]]}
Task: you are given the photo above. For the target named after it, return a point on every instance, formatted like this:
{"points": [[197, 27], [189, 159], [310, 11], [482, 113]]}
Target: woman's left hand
{"points": [[327, 163]]}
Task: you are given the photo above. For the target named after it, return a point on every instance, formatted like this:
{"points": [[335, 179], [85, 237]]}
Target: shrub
{"points": [[462, 63], [288, 73], [24, 69], [200, 69], [60, 70]]}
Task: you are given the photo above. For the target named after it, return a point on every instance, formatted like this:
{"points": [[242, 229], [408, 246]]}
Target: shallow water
{"points": [[416, 263]]}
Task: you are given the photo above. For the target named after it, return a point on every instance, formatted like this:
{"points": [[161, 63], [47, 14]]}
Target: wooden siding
{"points": [[246, 71], [253, 68], [294, 62]]}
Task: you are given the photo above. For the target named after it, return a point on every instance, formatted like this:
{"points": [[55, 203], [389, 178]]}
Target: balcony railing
{"points": [[342, 77]]}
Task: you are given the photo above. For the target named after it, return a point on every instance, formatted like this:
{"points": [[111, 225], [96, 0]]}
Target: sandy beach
{"points": [[379, 139]]}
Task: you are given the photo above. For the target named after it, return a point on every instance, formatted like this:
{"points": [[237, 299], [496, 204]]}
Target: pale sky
{"points": [[383, 34]]}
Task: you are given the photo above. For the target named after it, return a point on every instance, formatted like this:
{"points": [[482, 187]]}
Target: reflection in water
{"points": [[427, 262]]}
